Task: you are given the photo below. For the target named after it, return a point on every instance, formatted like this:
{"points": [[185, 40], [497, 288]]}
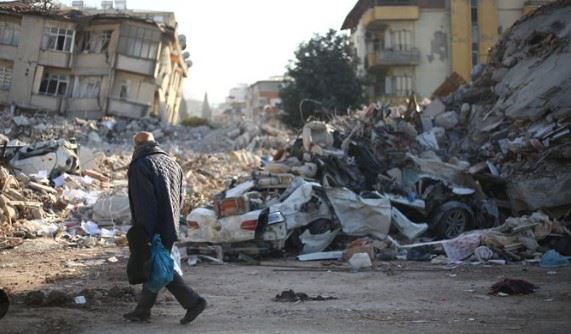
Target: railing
{"points": [[398, 57], [395, 2]]}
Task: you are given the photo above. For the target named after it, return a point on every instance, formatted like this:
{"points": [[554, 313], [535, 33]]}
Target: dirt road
{"points": [[408, 297]]}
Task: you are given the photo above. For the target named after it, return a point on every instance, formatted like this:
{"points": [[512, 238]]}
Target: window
{"points": [[57, 38], [398, 85], [124, 90], [9, 33], [5, 76], [87, 87], [54, 84], [475, 32], [400, 40], [139, 42], [96, 41]]}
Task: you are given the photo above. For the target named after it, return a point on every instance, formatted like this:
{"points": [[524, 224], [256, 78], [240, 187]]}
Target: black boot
{"points": [[138, 316], [142, 312], [193, 312]]}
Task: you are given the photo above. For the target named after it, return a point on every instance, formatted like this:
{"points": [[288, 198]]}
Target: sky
{"points": [[242, 41]]}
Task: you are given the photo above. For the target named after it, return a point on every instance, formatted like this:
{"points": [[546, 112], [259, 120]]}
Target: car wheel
{"points": [[452, 219]]}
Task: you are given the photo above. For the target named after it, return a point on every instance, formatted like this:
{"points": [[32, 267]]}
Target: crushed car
{"points": [[53, 156]]}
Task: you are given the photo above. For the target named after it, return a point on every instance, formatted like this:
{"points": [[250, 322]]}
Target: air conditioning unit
{"points": [[107, 4], [77, 4], [121, 4]]}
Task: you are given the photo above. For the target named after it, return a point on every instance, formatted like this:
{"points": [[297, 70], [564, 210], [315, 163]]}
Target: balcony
{"points": [[49, 103], [91, 64], [136, 65], [129, 109], [53, 58], [391, 11], [87, 108], [393, 58]]}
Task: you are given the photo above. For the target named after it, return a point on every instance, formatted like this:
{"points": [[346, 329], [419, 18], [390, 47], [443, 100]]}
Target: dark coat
{"points": [[155, 193], [139, 264]]}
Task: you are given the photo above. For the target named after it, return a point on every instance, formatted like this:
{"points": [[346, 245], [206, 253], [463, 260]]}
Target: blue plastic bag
{"points": [[552, 259], [162, 266]]}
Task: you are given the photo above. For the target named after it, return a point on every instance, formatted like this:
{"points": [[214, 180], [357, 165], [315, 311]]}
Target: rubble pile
{"points": [[77, 187], [110, 133], [425, 175], [514, 119]]}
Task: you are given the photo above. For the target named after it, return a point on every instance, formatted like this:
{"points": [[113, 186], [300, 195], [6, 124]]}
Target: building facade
{"points": [[264, 98], [90, 63], [411, 46]]}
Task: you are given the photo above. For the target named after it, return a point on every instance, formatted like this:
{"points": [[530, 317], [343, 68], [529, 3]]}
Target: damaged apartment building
{"points": [[91, 63], [411, 46]]}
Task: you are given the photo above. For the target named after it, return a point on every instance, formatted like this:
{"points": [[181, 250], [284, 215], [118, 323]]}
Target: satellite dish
{"points": [[186, 55], [188, 63]]}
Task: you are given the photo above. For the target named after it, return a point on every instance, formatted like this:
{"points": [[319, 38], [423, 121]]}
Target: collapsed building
{"points": [[407, 46], [497, 147], [480, 166], [91, 63]]}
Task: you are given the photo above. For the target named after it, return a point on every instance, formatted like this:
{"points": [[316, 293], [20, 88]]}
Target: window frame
{"points": [[58, 37], [139, 42], [57, 81], [89, 43], [13, 30], [6, 76]]}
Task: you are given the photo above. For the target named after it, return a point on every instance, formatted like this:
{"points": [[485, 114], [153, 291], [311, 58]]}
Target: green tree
{"points": [[324, 74]]}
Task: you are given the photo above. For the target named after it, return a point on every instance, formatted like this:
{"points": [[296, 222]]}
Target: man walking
{"points": [[155, 198]]}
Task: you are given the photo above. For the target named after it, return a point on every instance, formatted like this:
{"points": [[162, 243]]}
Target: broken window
{"points": [[96, 41], [87, 87], [9, 33], [475, 32], [5, 76], [139, 42], [57, 38], [124, 89], [54, 84]]}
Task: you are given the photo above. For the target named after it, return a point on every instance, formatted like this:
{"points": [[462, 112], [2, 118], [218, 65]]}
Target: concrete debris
{"points": [[430, 179]]}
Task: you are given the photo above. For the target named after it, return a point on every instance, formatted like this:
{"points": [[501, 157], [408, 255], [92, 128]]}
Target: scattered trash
{"points": [[483, 253], [79, 300], [552, 259], [291, 296], [512, 287], [360, 261]]}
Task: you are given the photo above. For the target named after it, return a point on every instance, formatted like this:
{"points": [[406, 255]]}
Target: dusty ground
{"points": [[410, 297]]}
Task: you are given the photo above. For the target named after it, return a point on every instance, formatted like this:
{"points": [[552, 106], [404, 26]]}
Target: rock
{"points": [[447, 120], [408, 129], [434, 109], [465, 108], [499, 74], [158, 134], [21, 121], [94, 137]]}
